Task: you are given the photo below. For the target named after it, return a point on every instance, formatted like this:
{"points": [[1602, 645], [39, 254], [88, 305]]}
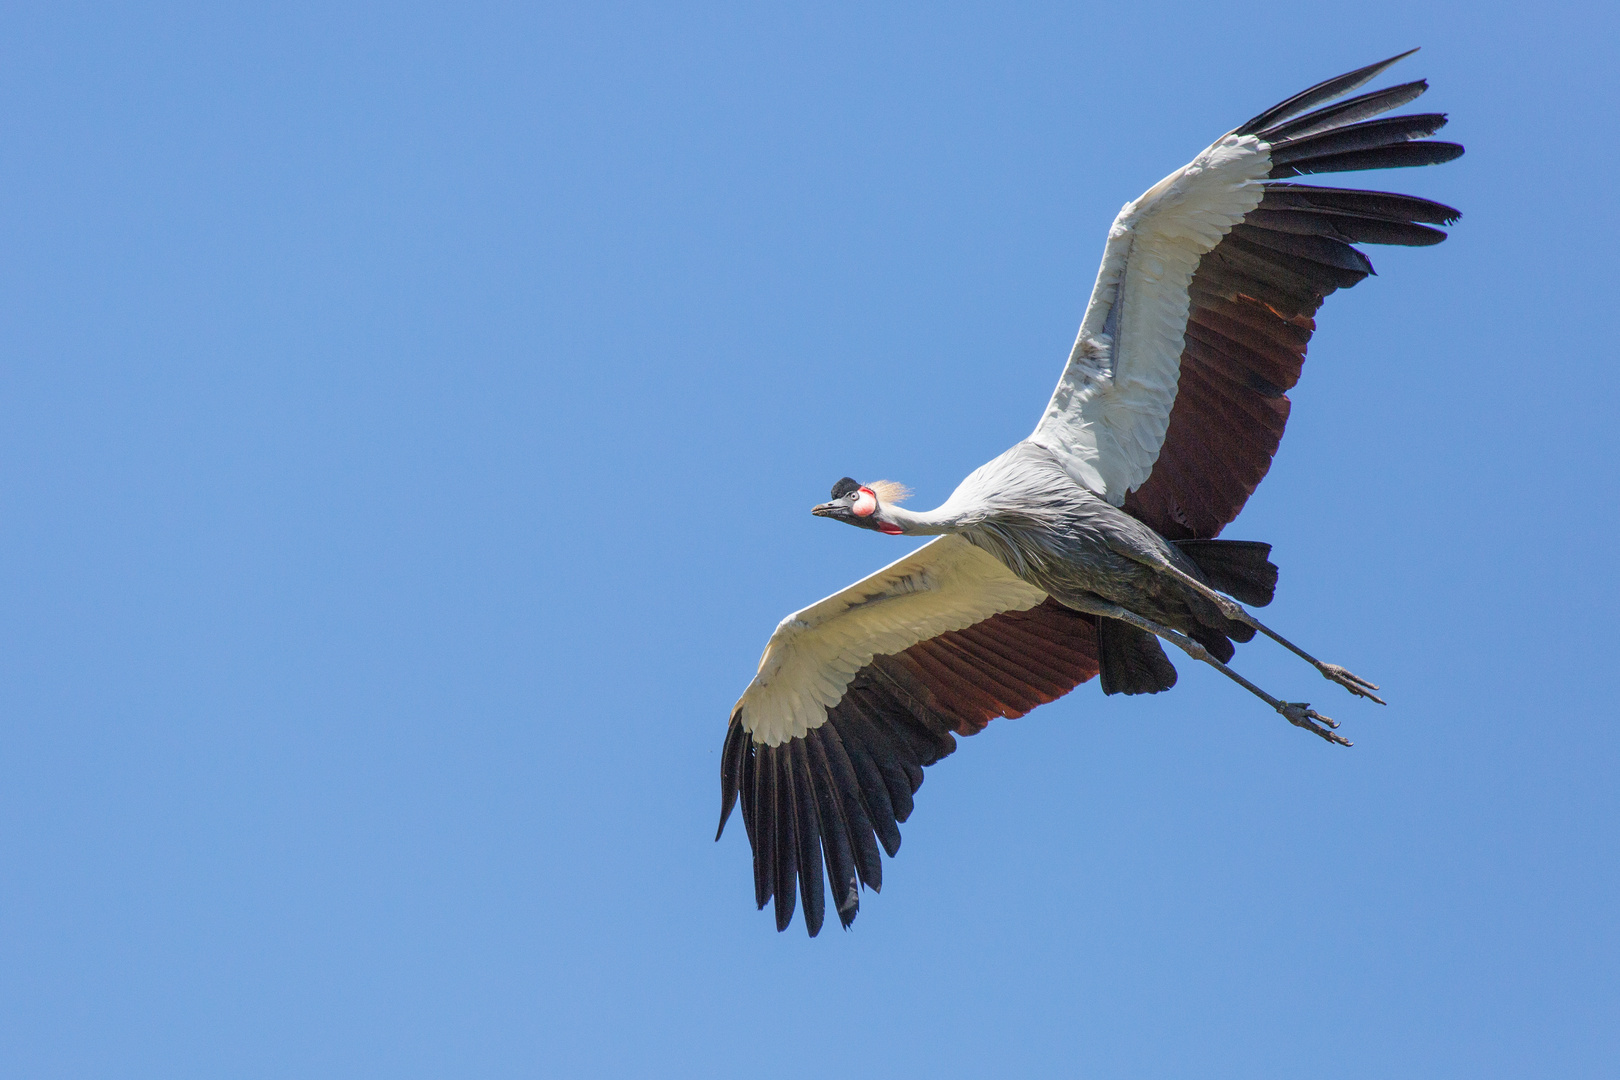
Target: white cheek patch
{"points": [[865, 503]]}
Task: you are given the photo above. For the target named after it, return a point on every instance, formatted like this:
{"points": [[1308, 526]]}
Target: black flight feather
{"points": [[835, 842], [1299, 276], [1369, 135], [731, 755], [1377, 204], [1346, 112], [787, 844], [852, 801], [891, 758], [1318, 94], [746, 788], [1400, 156], [1345, 228], [807, 823], [764, 825], [1315, 248]]}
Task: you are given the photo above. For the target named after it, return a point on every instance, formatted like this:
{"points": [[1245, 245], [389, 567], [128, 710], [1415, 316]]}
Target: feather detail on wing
{"points": [[857, 693], [1106, 419], [947, 584], [1173, 401]]}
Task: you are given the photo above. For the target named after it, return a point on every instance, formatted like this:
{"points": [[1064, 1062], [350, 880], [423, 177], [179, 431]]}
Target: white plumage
{"points": [[947, 584]]}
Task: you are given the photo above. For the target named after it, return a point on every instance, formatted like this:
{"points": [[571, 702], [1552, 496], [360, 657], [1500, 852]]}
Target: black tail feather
{"points": [[1218, 644], [1131, 661], [1238, 568]]}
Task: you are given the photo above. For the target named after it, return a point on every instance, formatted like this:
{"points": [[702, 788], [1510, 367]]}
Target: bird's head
{"points": [[864, 505]]}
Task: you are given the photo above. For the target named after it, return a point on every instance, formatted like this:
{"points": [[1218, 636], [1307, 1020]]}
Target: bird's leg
{"points": [[1298, 713], [1238, 613]]}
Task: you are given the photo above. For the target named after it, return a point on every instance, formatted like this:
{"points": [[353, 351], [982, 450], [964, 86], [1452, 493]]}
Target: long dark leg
{"points": [[1298, 713], [1237, 613]]}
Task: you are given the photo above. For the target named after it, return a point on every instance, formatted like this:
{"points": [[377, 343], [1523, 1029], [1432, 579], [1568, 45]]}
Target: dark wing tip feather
{"points": [[731, 766], [807, 825], [1346, 112], [835, 829], [764, 836], [831, 797], [786, 861], [1404, 155], [1366, 135], [1384, 205], [1322, 92]]}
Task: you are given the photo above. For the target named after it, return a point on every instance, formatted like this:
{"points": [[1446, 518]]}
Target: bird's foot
{"points": [[1300, 714], [1353, 683]]}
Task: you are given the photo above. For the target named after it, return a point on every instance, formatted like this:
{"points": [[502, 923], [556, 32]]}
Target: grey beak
{"points": [[827, 509]]}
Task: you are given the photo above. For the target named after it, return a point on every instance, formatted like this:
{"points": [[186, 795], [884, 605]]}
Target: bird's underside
{"points": [[1082, 548]]}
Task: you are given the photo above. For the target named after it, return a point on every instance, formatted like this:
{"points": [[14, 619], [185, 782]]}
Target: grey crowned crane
{"points": [[1077, 551]]}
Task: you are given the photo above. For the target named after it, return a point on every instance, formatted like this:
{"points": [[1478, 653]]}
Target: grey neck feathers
{"points": [[929, 523]]}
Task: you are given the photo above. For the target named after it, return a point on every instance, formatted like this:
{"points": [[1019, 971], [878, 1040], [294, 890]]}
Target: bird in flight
{"points": [[1079, 550]]}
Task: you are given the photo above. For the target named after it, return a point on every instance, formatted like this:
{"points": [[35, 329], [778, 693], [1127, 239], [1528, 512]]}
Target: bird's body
{"points": [[1076, 547], [1079, 550]]}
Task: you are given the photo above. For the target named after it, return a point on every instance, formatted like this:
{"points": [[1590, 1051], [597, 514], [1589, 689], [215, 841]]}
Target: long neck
{"points": [[944, 519]]}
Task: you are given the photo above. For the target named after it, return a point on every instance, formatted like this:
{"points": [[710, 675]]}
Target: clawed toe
{"points": [[1353, 683], [1300, 714]]}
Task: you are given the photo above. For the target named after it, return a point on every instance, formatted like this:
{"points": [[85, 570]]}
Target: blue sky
{"points": [[408, 421]]}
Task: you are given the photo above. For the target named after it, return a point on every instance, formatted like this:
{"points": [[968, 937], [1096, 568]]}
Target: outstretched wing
{"points": [[857, 693], [1173, 401]]}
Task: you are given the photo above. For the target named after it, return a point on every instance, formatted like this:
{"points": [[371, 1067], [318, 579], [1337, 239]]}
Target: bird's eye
{"points": [[865, 503]]}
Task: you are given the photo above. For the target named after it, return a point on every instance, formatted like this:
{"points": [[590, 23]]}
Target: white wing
{"points": [[857, 694], [947, 584], [1107, 418]]}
